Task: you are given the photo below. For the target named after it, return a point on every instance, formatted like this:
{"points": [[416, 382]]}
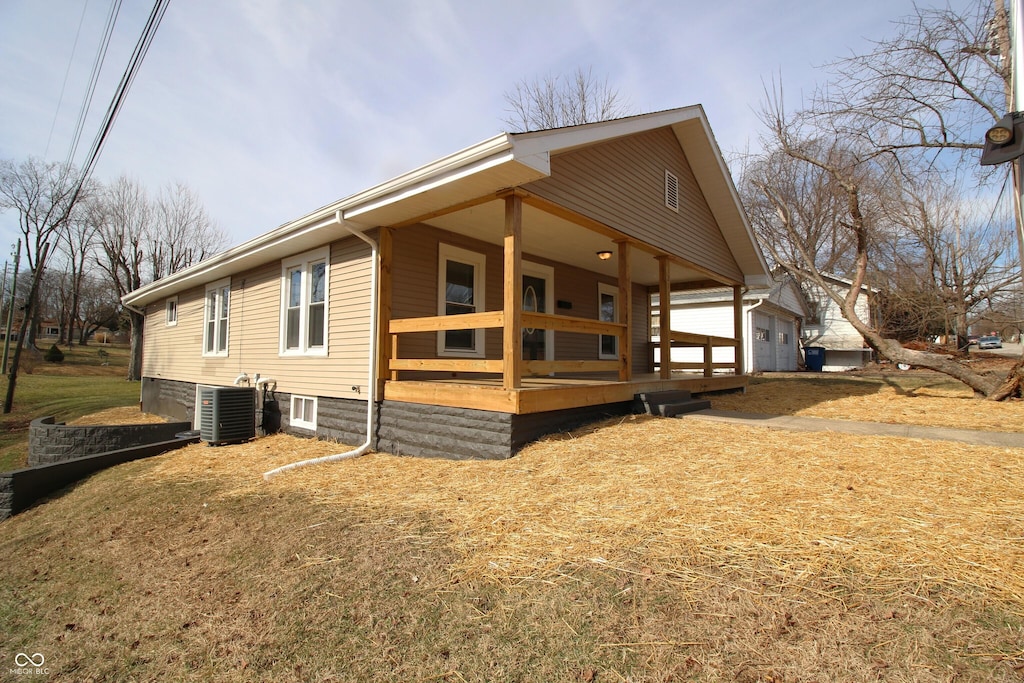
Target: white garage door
{"points": [[764, 354], [785, 341]]}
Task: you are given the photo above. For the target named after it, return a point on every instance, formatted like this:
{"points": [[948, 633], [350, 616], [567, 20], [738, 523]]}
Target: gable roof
{"points": [[503, 161], [781, 292]]}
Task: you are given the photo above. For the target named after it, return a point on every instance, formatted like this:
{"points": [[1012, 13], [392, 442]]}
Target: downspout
{"points": [[139, 311], [371, 367], [753, 329]]}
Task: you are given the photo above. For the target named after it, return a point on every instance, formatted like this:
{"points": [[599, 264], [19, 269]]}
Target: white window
{"points": [[171, 309], [608, 311], [215, 318], [671, 190], [761, 334], [304, 290], [460, 290], [303, 412]]}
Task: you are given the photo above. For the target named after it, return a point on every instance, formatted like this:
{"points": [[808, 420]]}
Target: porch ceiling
{"points": [[557, 239]]}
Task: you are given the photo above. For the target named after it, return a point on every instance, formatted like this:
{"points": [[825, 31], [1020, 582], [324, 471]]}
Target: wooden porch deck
{"points": [[544, 394]]}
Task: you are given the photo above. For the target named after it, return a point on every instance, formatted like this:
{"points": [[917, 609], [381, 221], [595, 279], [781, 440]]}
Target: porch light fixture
{"points": [[604, 255]]}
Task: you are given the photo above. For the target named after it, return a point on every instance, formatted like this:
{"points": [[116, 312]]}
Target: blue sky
{"points": [[269, 109]]}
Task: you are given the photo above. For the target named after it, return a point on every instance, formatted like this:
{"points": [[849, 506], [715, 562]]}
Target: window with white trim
{"points": [[171, 311], [304, 287], [303, 412], [460, 290], [215, 318], [608, 312]]}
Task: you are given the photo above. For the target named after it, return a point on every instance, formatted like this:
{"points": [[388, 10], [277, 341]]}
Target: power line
{"points": [[67, 72], [141, 48], [94, 76]]}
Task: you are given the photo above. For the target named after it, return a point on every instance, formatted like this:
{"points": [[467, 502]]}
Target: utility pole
{"points": [[1016, 55], [10, 310]]}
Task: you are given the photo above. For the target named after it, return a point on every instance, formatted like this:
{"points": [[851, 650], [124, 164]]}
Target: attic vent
{"points": [[671, 190]]}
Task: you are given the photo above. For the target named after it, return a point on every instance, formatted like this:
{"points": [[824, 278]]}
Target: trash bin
{"points": [[814, 357]]}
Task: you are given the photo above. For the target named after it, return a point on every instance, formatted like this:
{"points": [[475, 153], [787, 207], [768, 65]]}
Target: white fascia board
{"points": [[428, 183], [274, 244], [753, 281], [558, 140], [465, 162]]}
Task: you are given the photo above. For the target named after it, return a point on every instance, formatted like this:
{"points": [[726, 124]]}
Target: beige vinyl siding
{"points": [[254, 332], [641, 331], [622, 184], [415, 273]]}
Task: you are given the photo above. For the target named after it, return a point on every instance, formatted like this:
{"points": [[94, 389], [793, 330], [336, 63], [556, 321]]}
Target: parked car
{"points": [[990, 343]]}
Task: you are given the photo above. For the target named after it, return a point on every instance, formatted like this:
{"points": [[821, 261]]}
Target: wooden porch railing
{"points": [[708, 343], [496, 319]]}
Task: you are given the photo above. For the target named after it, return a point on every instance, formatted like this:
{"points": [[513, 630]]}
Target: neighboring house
{"points": [[825, 326], [771, 326], [509, 296]]}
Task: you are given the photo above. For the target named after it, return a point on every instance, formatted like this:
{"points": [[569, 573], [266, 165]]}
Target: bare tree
{"points": [[42, 194], [143, 240], [124, 223], [187, 233], [864, 178], [887, 121], [960, 260], [556, 101], [929, 87], [76, 246], [99, 306]]}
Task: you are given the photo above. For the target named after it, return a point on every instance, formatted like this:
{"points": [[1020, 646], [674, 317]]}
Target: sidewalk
{"points": [[816, 424]]}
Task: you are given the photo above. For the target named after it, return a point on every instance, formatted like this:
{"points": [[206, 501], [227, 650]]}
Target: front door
{"points": [[537, 298], [534, 296]]}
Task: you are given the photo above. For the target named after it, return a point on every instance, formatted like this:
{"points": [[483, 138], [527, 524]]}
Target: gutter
{"points": [[371, 365]]}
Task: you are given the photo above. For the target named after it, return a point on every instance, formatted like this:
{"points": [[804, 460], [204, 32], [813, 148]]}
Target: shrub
{"points": [[53, 355]]}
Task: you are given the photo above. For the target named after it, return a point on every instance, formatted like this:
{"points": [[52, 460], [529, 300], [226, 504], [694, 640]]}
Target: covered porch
{"points": [[517, 381]]}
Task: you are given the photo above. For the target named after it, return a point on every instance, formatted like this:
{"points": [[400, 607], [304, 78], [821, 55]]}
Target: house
{"points": [[470, 305], [771, 318], [825, 327]]}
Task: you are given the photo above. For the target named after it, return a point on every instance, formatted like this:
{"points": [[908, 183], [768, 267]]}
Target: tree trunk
{"points": [[983, 385], [137, 321], [33, 295]]}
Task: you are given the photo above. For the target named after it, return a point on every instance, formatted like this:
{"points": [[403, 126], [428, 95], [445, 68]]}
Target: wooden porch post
{"points": [[384, 293], [737, 327], [512, 334], [625, 312], [664, 315]]}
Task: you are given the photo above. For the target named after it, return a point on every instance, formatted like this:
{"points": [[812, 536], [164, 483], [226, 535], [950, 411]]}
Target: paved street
{"points": [[1009, 349]]}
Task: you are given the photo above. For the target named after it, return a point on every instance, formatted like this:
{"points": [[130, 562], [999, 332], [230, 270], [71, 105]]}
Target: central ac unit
{"points": [[227, 414]]}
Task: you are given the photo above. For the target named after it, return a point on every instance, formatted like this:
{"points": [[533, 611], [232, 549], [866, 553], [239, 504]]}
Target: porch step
{"points": [[671, 403]]}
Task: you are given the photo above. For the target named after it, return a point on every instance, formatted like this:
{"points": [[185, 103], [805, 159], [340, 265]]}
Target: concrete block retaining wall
{"points": [[50, 441], [21, 488], [424, 430]]}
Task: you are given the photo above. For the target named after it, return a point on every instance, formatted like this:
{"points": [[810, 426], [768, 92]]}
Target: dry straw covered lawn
{"points": [[637, 549], [915, 398], [670, 499]]}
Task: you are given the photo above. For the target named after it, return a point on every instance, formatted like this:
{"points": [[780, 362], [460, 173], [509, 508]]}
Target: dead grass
{"points": [[117, 416], [668, 497], [918, 398], [637, 549]]}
